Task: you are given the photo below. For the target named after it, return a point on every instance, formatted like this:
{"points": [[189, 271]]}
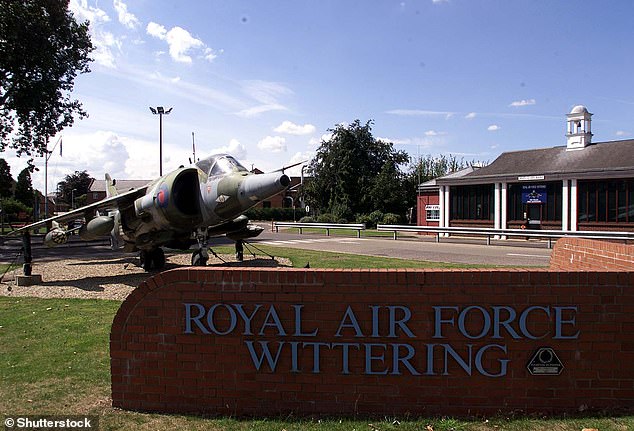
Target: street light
{"points": [[160, 111]]}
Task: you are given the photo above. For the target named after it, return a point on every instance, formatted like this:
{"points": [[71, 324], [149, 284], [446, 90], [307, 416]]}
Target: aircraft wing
{"points": [[119, 201]]}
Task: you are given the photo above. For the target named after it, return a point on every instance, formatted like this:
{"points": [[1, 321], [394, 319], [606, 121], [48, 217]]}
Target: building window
{"points": [[606, 201], [432, 212], [472, 202], [550, 202]]}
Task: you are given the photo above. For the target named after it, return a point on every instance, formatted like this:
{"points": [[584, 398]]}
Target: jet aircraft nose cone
{"points": [[285, 180]]}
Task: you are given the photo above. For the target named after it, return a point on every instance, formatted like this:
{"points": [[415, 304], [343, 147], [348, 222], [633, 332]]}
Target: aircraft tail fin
{"points": [[111, 190]]}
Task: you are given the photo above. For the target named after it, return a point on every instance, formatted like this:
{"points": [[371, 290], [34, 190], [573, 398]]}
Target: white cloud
{"points": [[470, 116], [209, 54], [265, 92], [295, 129], [523, 102], [274, 144], [83, 12], [261, 109], [103, 40], [98, 153], [493, 128], [621, 133], [156, 30], [434, 133], [235, 148], [316, 142], [440, 1], [298, 157], [181, 43], [266, 95], [126, 18], [419, 113]]}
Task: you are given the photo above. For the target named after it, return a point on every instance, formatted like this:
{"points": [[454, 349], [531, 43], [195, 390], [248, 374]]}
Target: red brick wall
{"points": [[426, 198], [586, 317], [578, 254]]}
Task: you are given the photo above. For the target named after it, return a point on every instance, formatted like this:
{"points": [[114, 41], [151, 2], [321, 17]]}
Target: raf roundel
{"points": [[163, 196]]}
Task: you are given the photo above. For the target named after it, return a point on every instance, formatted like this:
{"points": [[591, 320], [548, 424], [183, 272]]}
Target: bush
{"points": [[365, 219], [342, 221], [341, 212], [307, 219], [391, 218], [326, 218], [376, 217]]}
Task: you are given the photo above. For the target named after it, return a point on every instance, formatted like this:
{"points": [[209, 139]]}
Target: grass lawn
{"points": [[54, 360], [326, 259]]}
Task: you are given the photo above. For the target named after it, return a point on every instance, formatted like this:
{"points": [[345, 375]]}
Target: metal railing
{"points": [[490, 233], [327, 226]]}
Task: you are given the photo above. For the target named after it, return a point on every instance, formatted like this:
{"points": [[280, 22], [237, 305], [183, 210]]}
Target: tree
{"points": [[42, 49], [6, 180], [13, 209], [389, 194], [24, 188], [427, 168], [346, 168], [80, 182]]}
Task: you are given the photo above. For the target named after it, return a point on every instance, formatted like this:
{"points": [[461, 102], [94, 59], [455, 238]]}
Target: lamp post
{"points": [[160, 111], [72, 199]]}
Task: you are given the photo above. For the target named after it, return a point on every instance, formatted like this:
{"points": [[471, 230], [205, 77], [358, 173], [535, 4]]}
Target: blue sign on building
{"points": [[534, 194]]}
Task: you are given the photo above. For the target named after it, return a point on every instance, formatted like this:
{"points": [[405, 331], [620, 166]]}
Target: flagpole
{"points": [[46, 182], [47, 156]]}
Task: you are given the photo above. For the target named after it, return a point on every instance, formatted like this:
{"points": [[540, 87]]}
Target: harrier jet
{"points": [[186, 207]]}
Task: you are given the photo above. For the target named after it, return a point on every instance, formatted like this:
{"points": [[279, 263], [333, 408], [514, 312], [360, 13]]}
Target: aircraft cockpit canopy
{"points": [[220, 164]]}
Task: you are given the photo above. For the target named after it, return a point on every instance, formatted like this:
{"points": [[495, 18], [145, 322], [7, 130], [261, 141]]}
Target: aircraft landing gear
{"points": [[152, 259], [239, 251], [200, 257]]}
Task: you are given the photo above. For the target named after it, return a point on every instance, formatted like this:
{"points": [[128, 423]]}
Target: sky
{"points": [[266, 80]]}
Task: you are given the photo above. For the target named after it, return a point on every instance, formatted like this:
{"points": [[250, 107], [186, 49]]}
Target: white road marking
{"points": [[527, 255]]}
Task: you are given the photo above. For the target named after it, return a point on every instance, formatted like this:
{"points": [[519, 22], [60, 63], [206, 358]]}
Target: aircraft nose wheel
{"points": [[199, 258]]}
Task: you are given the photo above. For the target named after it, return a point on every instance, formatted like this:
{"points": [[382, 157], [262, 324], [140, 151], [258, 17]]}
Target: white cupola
{"points": [[579, 132]]}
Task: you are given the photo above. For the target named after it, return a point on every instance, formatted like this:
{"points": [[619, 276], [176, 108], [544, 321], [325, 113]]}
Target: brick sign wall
{"points": [[386, 342], [588, 255]]}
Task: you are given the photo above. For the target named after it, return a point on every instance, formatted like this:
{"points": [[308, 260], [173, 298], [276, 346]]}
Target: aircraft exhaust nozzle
{"points": [[260, 187]]}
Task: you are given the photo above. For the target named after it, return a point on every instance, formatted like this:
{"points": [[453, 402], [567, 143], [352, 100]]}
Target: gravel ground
{"points": [[110, 278]]}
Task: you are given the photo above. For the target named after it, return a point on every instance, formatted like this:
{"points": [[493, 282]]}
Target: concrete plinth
{"points": [[28, 280]]}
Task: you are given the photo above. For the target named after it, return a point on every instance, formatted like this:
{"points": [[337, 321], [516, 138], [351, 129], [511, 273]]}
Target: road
{"points": [[454, 250]]}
